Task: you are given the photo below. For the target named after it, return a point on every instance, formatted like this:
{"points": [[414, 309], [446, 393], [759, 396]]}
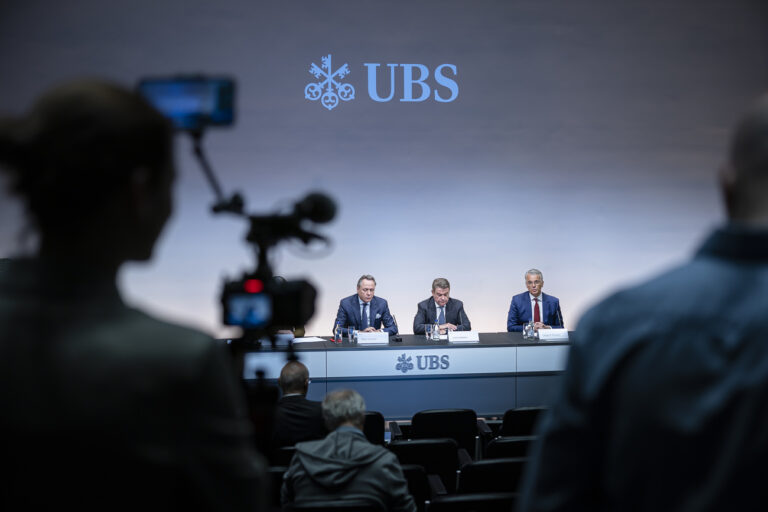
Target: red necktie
{"points": [[536, 317]]}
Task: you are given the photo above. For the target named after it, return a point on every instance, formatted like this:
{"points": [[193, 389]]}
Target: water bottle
{"points": [[337, 333], [528, 331], [436, 331]]}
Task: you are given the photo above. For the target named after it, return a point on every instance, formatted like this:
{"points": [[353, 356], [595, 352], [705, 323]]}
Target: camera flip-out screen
{"points": [[192, 102], [250, 311]]}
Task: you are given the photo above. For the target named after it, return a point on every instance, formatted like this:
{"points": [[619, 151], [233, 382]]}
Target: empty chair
{"points": [[458, 424], [351, 505], [520, 421], [506, 447], [491, 475], [482, 502], [420, 485], [441, 457], [374, 427]]}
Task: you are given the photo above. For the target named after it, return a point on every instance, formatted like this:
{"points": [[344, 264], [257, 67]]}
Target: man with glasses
{"points": [[534, 306]]}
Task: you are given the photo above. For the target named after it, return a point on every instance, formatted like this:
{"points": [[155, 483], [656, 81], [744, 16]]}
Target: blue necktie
{"points": [[441, 318], [365, 315]]}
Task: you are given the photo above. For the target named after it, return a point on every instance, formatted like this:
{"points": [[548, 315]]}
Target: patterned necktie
{"points": [[536, 317], [365, 315], [441, 317]]}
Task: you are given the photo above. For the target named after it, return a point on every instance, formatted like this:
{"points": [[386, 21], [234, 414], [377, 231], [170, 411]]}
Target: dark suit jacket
{"points": [[454, 314], [298, 419], [520, 312], [107, 405], [378, 311], [663, 401]]}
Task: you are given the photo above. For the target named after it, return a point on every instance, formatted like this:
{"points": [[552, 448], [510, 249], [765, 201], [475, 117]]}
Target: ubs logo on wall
{"points": [[430, 362], [329, 88]]}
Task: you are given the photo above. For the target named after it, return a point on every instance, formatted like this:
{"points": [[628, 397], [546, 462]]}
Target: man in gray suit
{"points": [[449, 313]]}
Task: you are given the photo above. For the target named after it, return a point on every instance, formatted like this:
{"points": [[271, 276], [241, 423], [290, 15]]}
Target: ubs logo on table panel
{"points": [[429, 362], [330, 89]]}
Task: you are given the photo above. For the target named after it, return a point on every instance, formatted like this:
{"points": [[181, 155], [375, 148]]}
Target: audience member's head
{"points": [[294, 378], [93, 164], [745, 177], [344, 407]]}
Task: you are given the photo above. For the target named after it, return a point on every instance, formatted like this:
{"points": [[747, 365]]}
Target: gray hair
{"points": [[364, 277], [342, 406], [440, 282], [534, 272]]}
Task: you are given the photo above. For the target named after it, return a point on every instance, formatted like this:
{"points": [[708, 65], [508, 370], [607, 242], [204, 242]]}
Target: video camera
{"points": [[259, 302]]}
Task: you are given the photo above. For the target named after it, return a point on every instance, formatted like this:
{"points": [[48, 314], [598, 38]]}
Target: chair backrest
{"points": [[482, 502], [458, 424], [276, 483], [512, 446], [437, 456], [491, 475], [418, 484], [283, 455], [374, 427], [520, 421], [350, 505]]}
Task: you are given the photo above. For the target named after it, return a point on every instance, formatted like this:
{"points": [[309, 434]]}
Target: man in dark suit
{"points": [[441, 308], [296, 418], [364, 311], [663, 402], [546, 312]]}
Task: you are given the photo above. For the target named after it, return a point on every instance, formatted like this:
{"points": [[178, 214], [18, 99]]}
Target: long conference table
{"points": [[398, 379]]}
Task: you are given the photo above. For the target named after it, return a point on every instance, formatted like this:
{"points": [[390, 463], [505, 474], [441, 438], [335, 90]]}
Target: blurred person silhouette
{"points": [[296, 331], [101, 405], [663, 401]]}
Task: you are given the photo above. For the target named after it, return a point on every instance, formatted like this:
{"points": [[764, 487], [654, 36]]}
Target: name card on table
{"points": [[553, 334], [463, 337], [372, 338]]}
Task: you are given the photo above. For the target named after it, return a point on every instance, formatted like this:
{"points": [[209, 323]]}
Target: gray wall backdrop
{"points": [[584, 141]]}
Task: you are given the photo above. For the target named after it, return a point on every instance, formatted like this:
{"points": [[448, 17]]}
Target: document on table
{"points": [[308, 339]]}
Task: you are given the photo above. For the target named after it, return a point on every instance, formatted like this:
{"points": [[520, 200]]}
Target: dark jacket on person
{"points": [[663, 402], [104, 406], [346, 465], [426, 312], [298, 419]]}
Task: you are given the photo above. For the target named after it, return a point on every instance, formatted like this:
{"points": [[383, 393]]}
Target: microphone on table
{"points": [[396, 337]]}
